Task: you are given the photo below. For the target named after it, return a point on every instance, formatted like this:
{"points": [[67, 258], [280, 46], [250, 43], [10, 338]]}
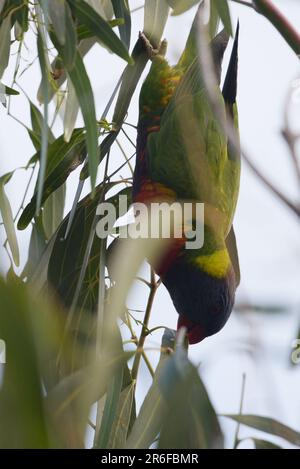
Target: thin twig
{"points": [[128, 138], [135, 341], [125, 156], [236, 438], [134, 10], [280, 22], [290, 137], [144, 331]]}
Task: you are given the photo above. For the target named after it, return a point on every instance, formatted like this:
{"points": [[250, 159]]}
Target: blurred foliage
{"points": [[60, 317]]}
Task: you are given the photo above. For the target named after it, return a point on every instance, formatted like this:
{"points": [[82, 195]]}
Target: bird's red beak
{"points": [[195, 332]]}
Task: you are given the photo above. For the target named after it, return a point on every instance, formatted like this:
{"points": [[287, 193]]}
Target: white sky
{"points": [[267, 233]]}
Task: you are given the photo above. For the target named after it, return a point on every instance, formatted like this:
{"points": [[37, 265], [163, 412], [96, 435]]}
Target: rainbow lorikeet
{"points": [[183, 155]]}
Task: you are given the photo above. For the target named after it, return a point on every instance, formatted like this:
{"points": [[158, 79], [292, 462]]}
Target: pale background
{"points": [[268, 234]]}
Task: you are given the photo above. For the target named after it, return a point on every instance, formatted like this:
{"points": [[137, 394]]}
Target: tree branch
{"points": [[144, 332], [280, 22]]}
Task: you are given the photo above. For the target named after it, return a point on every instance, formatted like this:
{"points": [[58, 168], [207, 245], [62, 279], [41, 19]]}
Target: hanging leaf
{"points": [[224, 12], [2, 2], [181, 6], [268, 425], [194, 424], [57, 14], [130, 79], [68, 255], [10, 91], [54, 211], [69, 402], [20, 18], [23, 423], [70, 46], [4, 43], [103, 8], [88, 16], [2, 95], [156, 13], [153, 411], [71, 112], [8, 220], [110, 411], [84, 47], [84, 93], [263, 444], [122, 10], [63, 158], [44, 133], [37, 126], [122, 420], [214, 20], [37, 246]]}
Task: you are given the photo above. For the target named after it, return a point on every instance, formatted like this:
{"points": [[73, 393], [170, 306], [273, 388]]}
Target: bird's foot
{"points": [[152, 51]]}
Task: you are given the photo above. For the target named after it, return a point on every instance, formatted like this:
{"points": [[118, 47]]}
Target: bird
{"points": [[183, 155]]}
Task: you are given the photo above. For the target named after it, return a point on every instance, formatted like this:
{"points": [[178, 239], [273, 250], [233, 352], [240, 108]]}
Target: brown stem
{"points": [[144, 332], [280, 22], [135, 340]]}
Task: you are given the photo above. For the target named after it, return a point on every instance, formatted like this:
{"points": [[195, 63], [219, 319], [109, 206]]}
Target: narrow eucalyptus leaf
{"points": [[4, 43], [8, 222]]}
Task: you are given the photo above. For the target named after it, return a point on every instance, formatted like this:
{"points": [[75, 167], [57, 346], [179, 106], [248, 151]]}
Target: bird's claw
{"points": [[152, 52]]}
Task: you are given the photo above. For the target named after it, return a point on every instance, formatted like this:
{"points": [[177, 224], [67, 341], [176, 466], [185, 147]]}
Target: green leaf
{"points": [[54, 205], [110, 411], [156, 13], [84, 92], [121, 10], [70, 46], [8, 220], [71, 112], [23, 420], [2, 2], [194, 424], [70, 401], [20, 12], [224, 12], [2, 95], [101, 29], [57, 14], [268, 425], [44, 134], [63, 158], [130, 79], [153, 411], [37, 125], [84, 47], [11, 91], [181, 6], [263, 444], [54, 211], [37, 246], [68, 255], [103, 8], [21, 406], [4, 43], [122, 420], [214, 20]]}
